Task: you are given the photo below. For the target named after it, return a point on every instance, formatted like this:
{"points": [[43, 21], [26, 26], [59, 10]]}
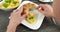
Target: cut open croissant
{"points": [[27, 9]]}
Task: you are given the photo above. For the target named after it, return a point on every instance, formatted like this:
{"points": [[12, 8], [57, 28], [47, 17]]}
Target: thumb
{"points": [[41, 10], [24, 16]]}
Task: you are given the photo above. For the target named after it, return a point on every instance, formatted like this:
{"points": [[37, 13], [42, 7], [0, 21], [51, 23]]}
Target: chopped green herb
{"points": [[7, 1], [14, 2], [31, 17], [5, 5]]}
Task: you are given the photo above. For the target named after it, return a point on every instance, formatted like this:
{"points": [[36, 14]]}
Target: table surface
{"points": [[47, 25]]}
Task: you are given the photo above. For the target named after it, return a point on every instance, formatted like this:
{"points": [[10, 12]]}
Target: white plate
{"points": [[36, 25], [9, 9]]}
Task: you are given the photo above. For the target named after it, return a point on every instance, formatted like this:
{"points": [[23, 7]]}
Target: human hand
{"points": [[46, 9], [16, 17]]}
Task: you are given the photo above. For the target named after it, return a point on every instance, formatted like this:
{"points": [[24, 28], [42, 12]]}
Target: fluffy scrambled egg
{"points": [[31, 17]]}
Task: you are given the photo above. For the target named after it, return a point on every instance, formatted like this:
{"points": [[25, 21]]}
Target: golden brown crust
{"points": [[27, 6]]}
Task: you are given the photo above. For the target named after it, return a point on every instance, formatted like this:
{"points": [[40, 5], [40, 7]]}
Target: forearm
{"points": [[11, 28], [56, 8]]}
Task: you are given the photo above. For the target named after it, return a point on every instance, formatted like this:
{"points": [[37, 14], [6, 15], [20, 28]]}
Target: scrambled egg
{"points": [[31, 17]]}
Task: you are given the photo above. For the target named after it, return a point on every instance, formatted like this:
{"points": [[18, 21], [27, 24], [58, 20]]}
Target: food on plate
{"points": [[9, 3], [27, 8], [31, 17]]}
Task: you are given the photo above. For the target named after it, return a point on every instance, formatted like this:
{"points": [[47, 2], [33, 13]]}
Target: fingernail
{"points": [[43, 9], [39, 8]]}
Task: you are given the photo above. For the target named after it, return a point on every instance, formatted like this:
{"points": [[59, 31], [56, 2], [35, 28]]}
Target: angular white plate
{"points": [[39, 18]]}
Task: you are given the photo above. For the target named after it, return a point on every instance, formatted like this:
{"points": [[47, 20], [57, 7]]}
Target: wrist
{"points": [[11, 24]]}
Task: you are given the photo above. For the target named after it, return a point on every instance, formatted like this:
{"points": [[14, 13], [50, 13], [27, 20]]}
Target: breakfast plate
{"points": [[7, 5], [35, 18]]}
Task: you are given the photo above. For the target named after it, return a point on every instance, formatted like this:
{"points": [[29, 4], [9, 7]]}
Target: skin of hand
{"points": [[15, 19], [56, 8], [46, 9], [16, 16]]}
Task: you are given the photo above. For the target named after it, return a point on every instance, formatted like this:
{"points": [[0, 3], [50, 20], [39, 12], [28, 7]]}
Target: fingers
{"points": [[39, 8], [20, 10], [24, 16], [43, 7], [15, 11]]}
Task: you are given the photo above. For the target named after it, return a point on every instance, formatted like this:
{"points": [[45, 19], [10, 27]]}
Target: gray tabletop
{"points": [[47, 25]]}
